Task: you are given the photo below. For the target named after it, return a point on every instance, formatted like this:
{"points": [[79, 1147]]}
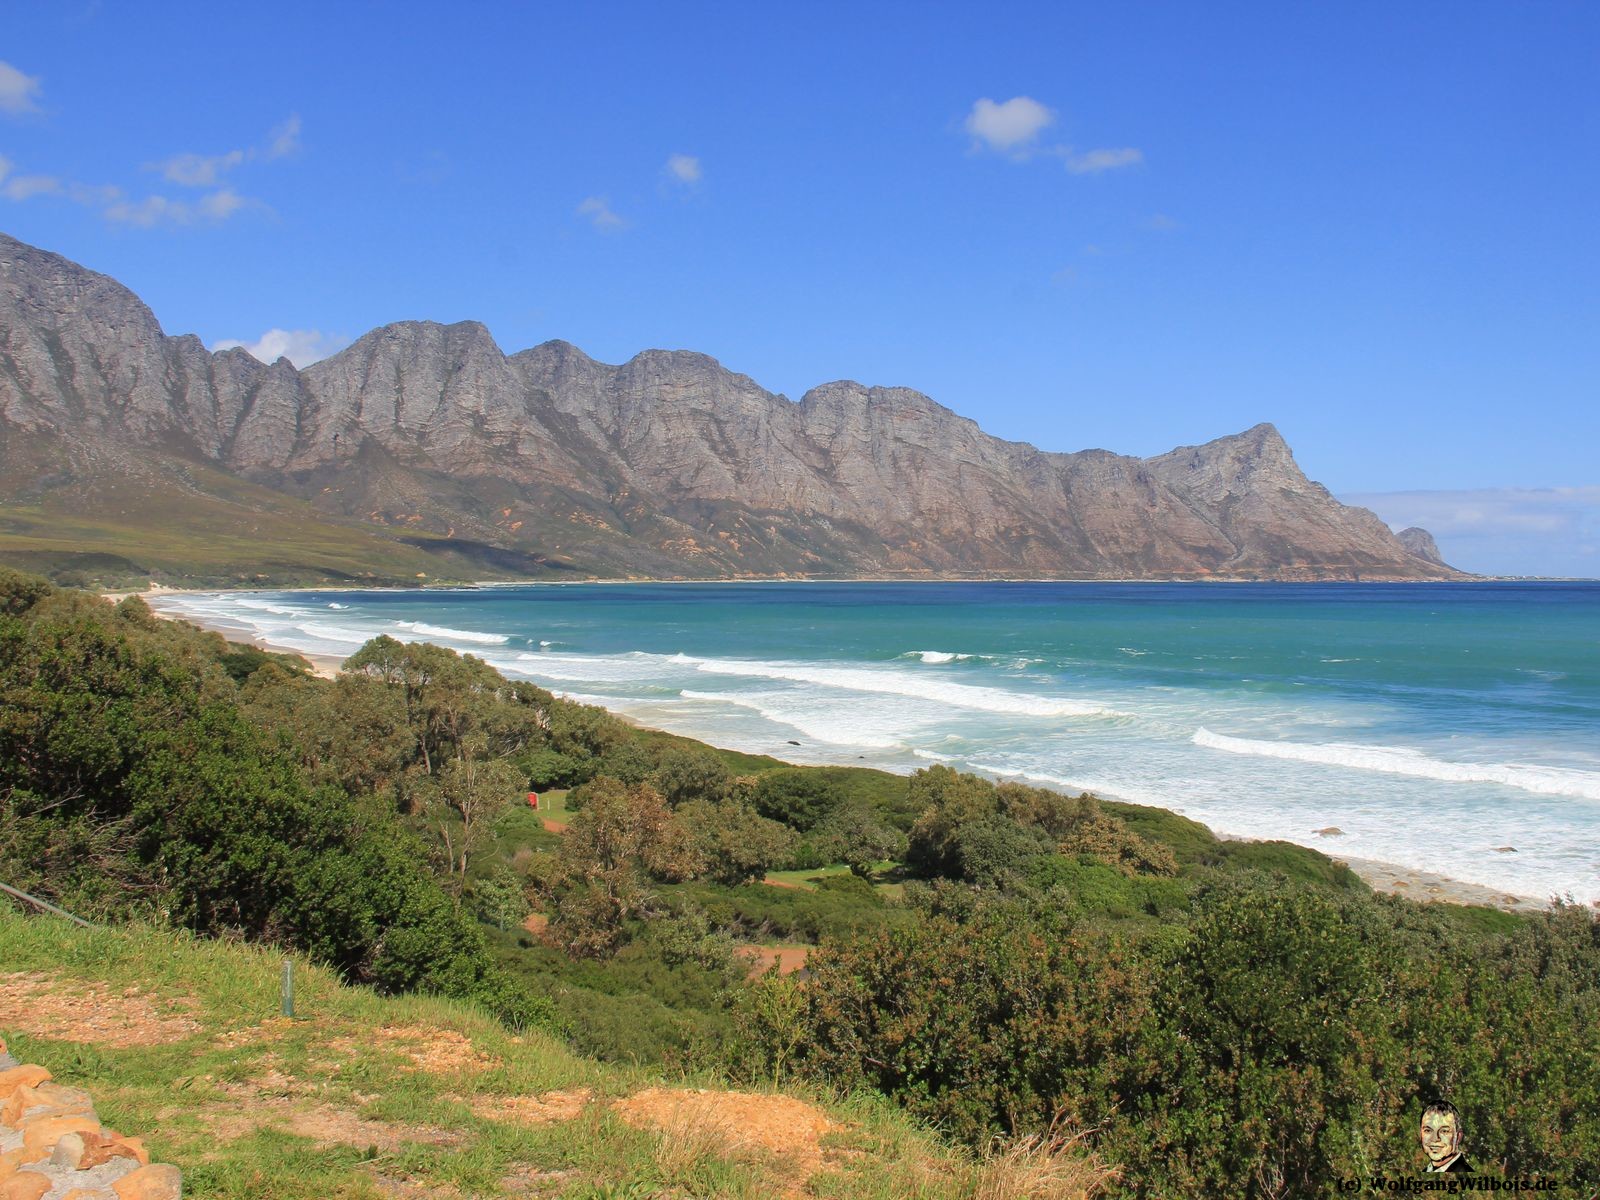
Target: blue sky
{"points": [[1123, 225]]}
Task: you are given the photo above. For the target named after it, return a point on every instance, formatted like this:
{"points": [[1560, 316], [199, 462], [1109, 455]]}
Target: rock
{"points": [[90, 1194], [44, 1133], [1329, 831], [19, 1077], [667, 464], [25, 1185], [115, 1145], [45, 1099], [69, 1152], [13, 1161], [1505, 849], [1419, 543], [155, 1182]]}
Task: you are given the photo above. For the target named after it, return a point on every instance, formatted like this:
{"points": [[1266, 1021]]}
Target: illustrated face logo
{"points": [[1441, 1133]]}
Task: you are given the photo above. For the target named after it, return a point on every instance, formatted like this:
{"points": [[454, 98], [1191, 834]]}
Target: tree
{"points": [[477, 790], [740, 845], [599, 882], [949, 800], [697, 774], [802, 798]]}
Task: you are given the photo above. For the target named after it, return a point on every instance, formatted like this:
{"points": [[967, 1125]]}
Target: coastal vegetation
{"points": [[1000, 961]]}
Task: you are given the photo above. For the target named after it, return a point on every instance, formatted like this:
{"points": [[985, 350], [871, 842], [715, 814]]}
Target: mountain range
{"points": [[424, 451]]}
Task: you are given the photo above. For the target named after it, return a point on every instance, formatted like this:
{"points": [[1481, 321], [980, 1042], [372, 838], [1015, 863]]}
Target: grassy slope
{"points": [[250, 1105], [217, 530]]}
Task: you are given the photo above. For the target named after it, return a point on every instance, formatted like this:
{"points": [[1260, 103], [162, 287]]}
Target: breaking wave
{"points": [[1548, 781]]}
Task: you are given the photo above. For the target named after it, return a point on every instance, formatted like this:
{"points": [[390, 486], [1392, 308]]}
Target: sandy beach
{"points": [[1422, 886]]}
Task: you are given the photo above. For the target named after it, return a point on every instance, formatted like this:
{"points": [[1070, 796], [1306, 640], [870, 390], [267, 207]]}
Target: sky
{"points": [[1130, 226]]}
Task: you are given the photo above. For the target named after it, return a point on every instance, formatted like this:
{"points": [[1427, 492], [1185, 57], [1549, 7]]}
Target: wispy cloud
{"points": [[19, 93], [1502, 531], [220, 201], [284, 139], [205, 170], [598, 211], [198, 170], [210, 209], [1093, 162], [684, 168], [302, 347], [1012, 127]]}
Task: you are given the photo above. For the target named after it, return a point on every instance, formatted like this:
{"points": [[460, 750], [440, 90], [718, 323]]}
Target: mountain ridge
{"points": [[669, 464]]}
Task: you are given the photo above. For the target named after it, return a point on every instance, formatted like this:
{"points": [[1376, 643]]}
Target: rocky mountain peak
{"points": [[1419, 541], [667, 464]]}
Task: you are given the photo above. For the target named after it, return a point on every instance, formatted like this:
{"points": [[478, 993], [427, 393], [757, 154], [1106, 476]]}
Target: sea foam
{"points": [[454, 635], [1548, 781], [896, 683]]}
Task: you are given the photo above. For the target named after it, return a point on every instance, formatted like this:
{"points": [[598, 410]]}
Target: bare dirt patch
{"points": [[543, 1109], [270, 1030], [789, 958], [787, 1128], [249, 1109], [61, 1009], [437, 1051]]}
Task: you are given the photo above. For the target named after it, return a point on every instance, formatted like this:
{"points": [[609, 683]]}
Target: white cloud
{"points": [[18, 92], [1010, 128], [1502, 531], [685, 168], [1092, 162], [25, 187], [199, 170], [212, 208], [206, 170], [598, 210], [302, 347]]}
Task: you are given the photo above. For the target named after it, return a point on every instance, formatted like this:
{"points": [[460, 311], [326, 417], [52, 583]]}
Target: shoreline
{"points": [[1421, 886], [759, 580]]}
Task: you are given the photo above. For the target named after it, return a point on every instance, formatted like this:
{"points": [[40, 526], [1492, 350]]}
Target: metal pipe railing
{"points": [[45, 905]]}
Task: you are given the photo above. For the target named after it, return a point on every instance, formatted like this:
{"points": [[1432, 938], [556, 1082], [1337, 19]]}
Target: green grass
{"points": [[235, 1102]]}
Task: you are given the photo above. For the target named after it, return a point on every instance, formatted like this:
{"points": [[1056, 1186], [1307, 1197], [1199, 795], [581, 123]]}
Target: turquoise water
{"points": [[1432, 724]]}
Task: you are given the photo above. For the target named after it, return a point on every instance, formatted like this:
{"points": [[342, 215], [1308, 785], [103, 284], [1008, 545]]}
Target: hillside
{"points": [[362, 1096], [424, 450]]}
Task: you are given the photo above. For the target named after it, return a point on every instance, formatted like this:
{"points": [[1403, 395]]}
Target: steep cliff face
{"points": [[1420, 544], [668, 464]]}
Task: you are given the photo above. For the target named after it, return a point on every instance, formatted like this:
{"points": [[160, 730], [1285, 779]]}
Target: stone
{"points": [[26, 1185], [44, 1133], [69, 1152], [90, 1194], [45, 1099], [19, 1077], [155, 1182], [13, 1161], [115, 1145]]}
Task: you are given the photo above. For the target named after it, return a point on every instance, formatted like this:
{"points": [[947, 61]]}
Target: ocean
{"points": [[1452, 728]]}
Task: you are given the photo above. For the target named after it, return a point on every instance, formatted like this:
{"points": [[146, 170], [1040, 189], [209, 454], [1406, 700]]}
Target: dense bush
{"points": [[131, 782], [1287, 1035]]}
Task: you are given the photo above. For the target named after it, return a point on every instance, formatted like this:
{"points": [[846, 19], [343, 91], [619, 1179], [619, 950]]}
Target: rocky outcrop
{"points": [[52, 1145], [1420, 544], [668, 464]]}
